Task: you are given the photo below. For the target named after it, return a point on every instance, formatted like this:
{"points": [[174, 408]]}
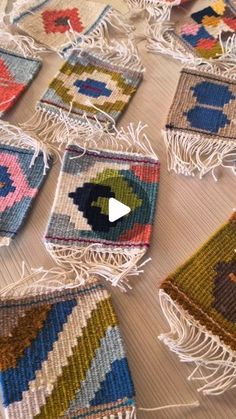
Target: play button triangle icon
{"points": [[117, 210]]}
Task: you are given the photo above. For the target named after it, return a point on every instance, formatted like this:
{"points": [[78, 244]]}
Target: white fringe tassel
{"points": [[20, 44], [162, 40], [215, 363], [189, 154], [114, 265], [14, 136], [5, 241], [159, 10]]}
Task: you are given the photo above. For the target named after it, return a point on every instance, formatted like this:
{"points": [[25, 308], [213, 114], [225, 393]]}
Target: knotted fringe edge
{"points": [[113, 264], [160, 10], [189, 154], [215, 363], [20, 44], [16, 137]]}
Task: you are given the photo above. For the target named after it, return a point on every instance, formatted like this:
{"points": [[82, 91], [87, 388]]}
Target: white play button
{"points": [[117, 210]]}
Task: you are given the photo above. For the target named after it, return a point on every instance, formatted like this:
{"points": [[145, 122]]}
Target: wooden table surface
{"points": [[189, 210]]}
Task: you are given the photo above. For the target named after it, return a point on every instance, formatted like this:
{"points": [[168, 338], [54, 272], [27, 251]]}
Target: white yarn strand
{"points": [[215, 362]]}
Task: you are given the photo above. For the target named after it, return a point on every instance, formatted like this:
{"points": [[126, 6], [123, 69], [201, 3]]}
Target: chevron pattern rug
{"points": [[62, 356]]}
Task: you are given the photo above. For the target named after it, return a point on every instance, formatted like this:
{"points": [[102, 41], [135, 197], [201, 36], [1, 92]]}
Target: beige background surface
{"points": [[189, 210]]}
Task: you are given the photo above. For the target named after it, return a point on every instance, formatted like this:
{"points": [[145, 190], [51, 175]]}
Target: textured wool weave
{"points": [[95, 84], [157, 10], [208, 33], [80, 234], [58, 25], [22, 171], [198, 300], [200, 131], [16, 73], [62, 355]]}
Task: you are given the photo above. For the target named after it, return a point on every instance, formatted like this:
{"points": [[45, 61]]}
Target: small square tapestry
{"points": [[201, 130], [80, 231], [89, 84], [16, 73], [62, 355], [198, 300], [58, 25]]}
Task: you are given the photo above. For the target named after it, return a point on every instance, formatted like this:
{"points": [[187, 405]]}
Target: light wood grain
{"points": [[189, 210]]}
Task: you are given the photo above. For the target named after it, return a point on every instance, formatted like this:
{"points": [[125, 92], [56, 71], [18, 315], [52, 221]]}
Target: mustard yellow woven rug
{"points": [[62, 354], [80, 235], [60, 26], [198, 301]]}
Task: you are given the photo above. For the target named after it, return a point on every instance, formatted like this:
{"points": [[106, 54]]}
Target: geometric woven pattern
{"points": [[205, 285], [19, 185], [80, 213], [86, 81], [16, 73], [62, 356], [49, 22], [201, 32], [204, 103]]}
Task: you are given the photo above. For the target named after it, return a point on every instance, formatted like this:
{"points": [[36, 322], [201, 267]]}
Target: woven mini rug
{"points": [[200, 131], [16, 73], [198, 301], [62, 355], [24, 164], [80, 235], [58, 25], [206, 34], [95, 84]]}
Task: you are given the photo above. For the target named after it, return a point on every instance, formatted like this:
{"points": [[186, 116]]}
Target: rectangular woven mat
{"points": [[16, 73], [62, 355], [80, 234], [85, 83], [200, 34], [200, 130], [198, 301], [59, 26]]}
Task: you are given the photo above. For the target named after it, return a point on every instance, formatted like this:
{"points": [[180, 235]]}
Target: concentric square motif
{"points": [[80, 216], [201, 121], [62, 355], [51, 22], [16, 73], [209, 28], [198, 300], [20, 182], [89, 84]]}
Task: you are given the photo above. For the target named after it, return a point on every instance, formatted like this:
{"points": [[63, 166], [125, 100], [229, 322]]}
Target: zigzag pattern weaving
{"points": [[80, 213], [49, 21], [86, 81], [202, 31], [202, 292], [202, 115], [62, 356], [16, 73], [19, 184]]}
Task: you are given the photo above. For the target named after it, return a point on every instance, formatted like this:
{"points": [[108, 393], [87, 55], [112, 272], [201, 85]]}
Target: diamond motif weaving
{"points": [[80, 217], [16, 73]]}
